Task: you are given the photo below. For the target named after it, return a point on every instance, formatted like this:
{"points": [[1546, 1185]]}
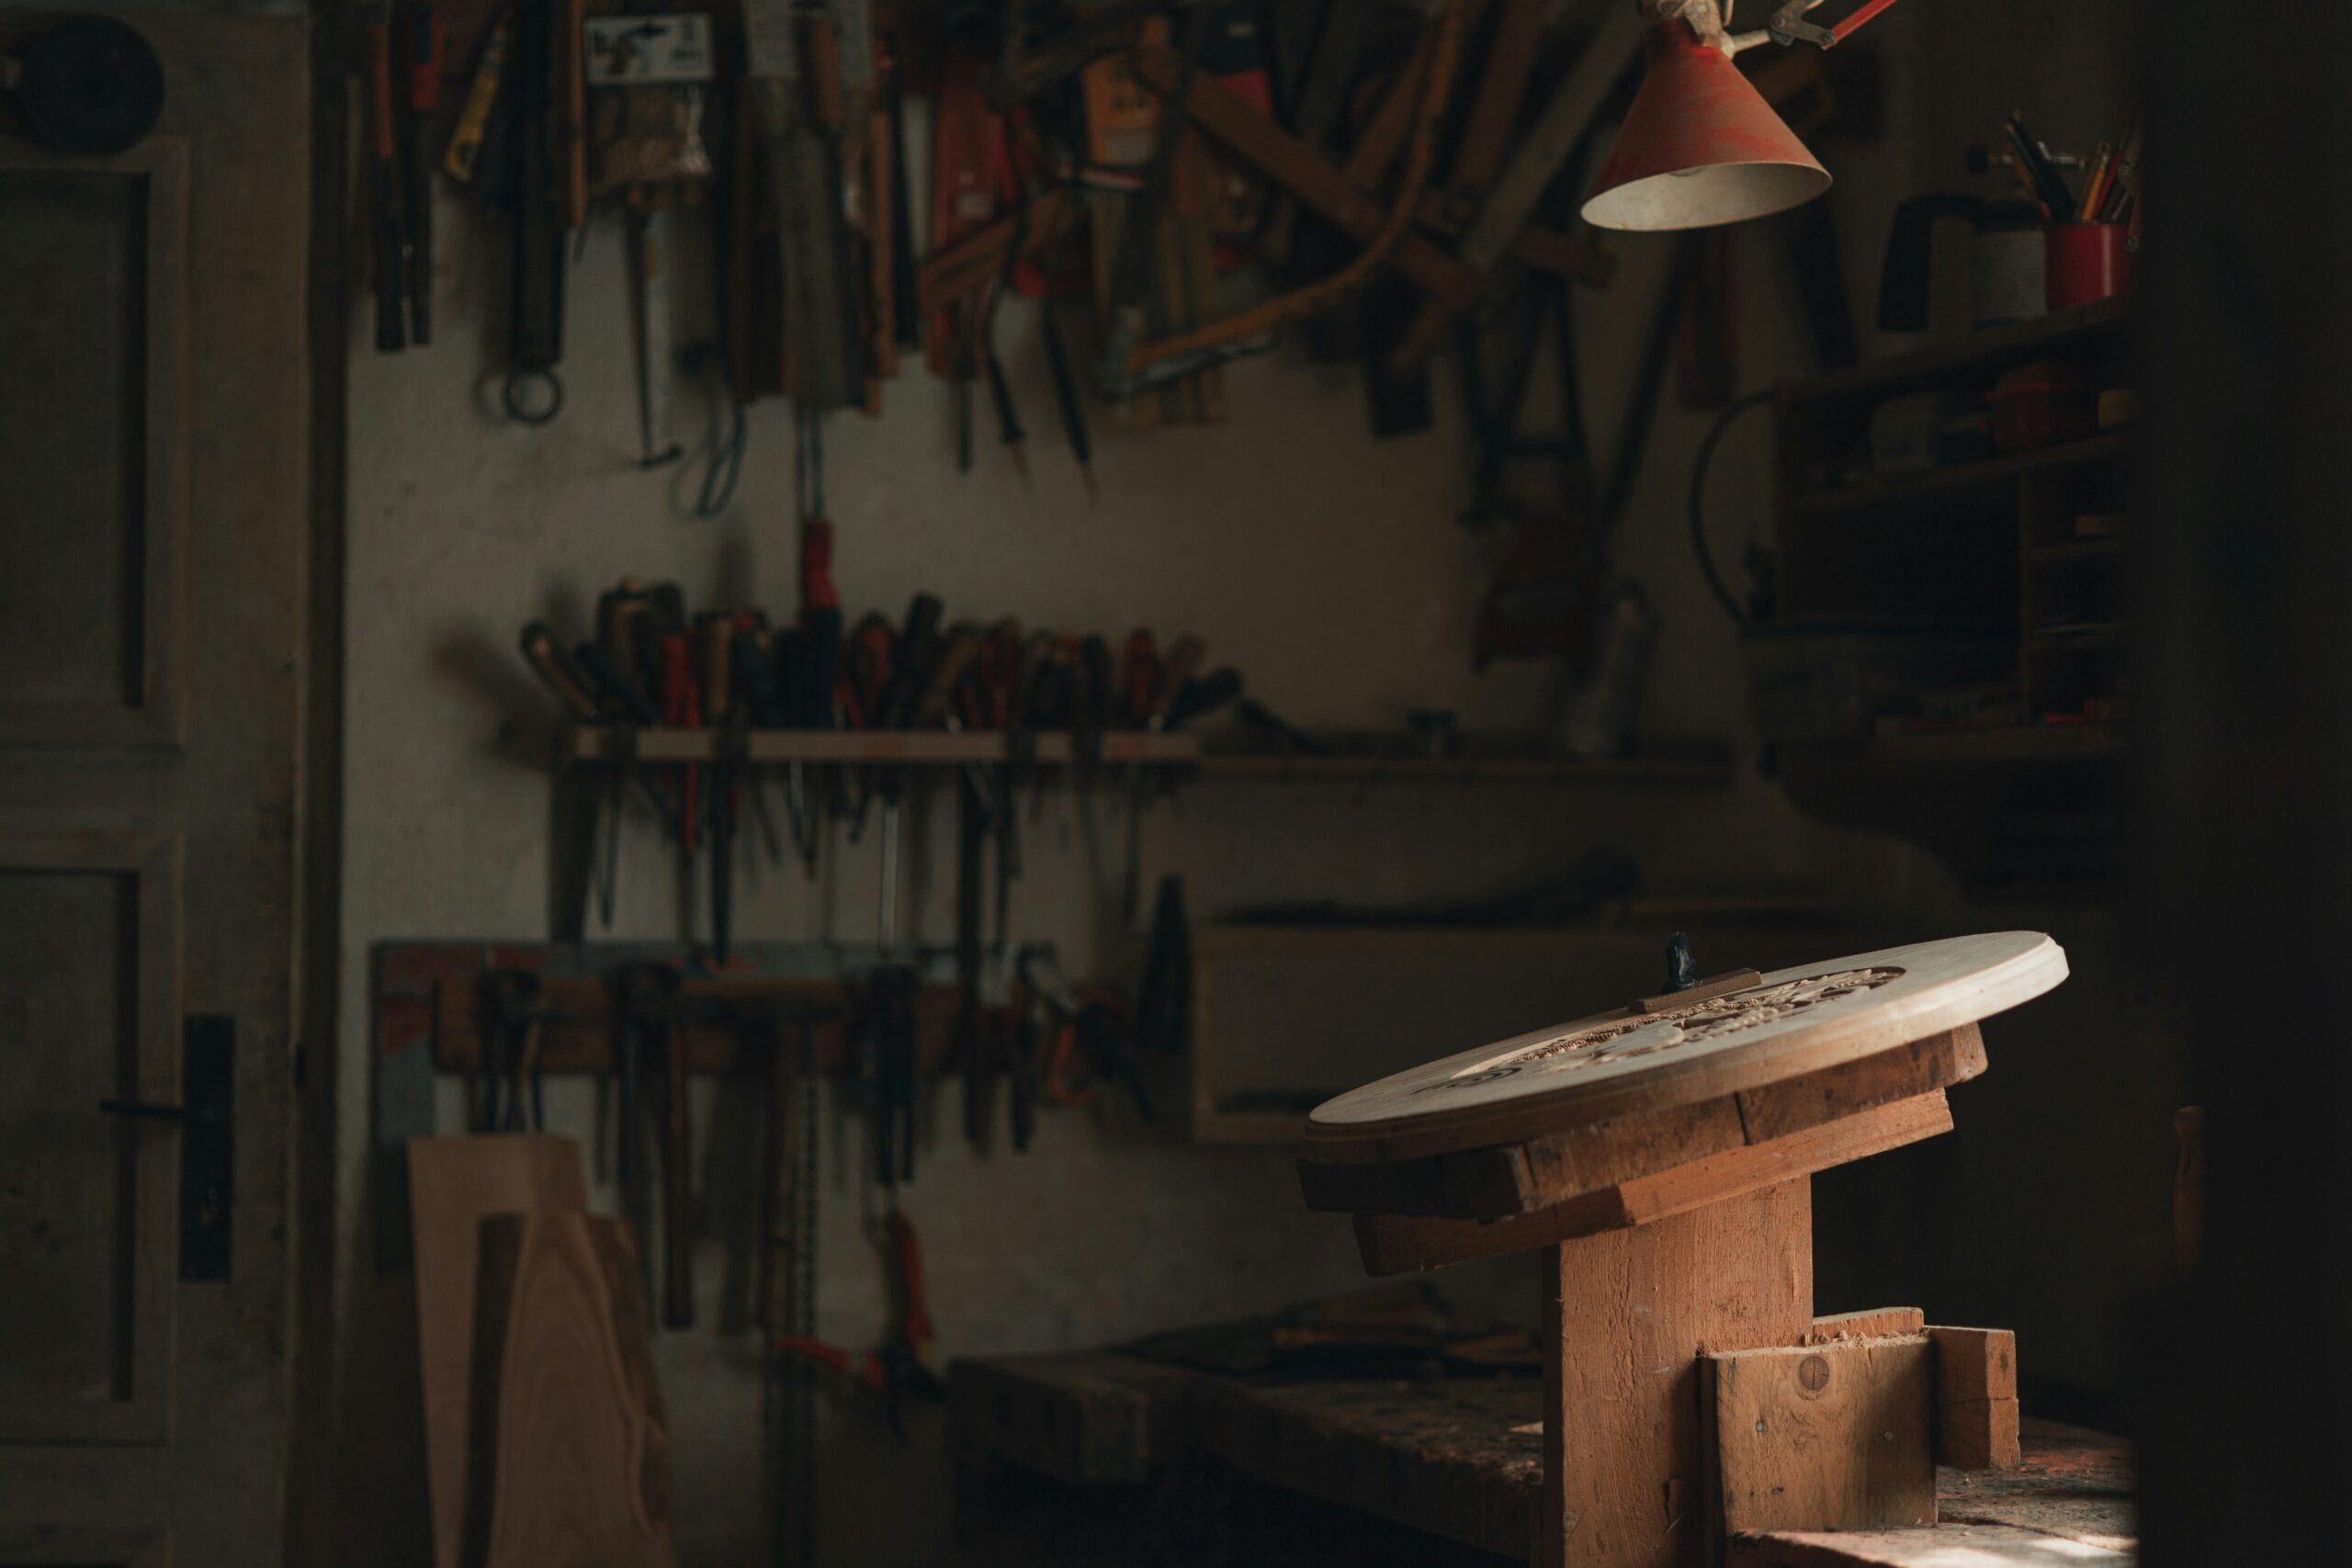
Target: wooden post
{"points": [[1627, 1313]]}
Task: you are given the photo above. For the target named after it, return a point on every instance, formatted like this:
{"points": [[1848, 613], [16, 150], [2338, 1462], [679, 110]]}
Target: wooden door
{"points": [[154, 528]]}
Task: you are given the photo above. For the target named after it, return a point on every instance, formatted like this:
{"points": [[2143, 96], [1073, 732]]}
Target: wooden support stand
{"points": [[1661, 1155], [1626, 1314]]}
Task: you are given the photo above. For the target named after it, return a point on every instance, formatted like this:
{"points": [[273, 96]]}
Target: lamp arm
{"points": [[1788, 25]]}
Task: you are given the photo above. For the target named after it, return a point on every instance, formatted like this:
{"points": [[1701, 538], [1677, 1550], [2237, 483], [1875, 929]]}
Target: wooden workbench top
{"points": [[1461, 1459]]}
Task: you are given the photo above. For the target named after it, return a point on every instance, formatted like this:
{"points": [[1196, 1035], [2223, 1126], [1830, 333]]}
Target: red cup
{"points": [[2084, 262]]}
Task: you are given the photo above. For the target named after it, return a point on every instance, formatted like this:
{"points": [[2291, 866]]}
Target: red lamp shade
{"points": [[1700, 147]]}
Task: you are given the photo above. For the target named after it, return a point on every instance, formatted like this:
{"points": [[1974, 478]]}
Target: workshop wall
{"points": [[1324, 566]]}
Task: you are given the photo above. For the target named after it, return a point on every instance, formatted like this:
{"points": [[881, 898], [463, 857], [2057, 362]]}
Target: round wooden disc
{"points": [[1795, 1021]]}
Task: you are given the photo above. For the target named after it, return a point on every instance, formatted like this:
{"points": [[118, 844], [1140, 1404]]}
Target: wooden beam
{"points": [[1623, 1314], [1539, 1173], [1395, 1244]]}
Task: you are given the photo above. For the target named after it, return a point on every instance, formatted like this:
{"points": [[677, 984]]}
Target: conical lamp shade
{"points": [[1700, 147]]}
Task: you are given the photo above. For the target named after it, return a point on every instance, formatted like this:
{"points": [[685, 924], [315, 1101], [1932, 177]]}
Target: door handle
{"points": [[207, 1118]]}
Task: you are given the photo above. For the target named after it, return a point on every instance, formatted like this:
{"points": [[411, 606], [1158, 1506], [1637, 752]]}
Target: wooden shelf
{"points": [[1685, 763], [1689, 764], [1978, 351], [1959, 748], [2105, 447], [915, 748]]}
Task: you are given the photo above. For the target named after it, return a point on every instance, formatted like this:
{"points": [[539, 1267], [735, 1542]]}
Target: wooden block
{"points": [[1721, 985], [1626, 1315], [1538, 1173], [1824, 1436], [1394, 1244], [454, 1185], [1079, 1419], [570, 1458], [1878, 1322], [1975, 1363], [1978, 1434], [1939, 1061]]}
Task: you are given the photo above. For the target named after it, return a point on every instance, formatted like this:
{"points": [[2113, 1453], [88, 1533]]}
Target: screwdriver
{"points": [[1065, 399], [384, 195], [1008, 418], [424, 97], [1138, 678], [1175, 672]]}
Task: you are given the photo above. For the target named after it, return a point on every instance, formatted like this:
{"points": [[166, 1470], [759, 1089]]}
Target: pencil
{"points": [[2095, 183]]}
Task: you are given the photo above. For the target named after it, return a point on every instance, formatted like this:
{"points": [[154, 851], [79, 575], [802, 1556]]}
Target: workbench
{"points": [[1104, 1457]]}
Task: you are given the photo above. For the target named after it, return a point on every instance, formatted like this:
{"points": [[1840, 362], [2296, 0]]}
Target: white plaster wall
{"points": [[1326, 566]]}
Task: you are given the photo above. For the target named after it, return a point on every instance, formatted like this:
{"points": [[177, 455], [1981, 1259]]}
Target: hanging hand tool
{"points": [[532, 394], [790, 1414], [461, 157], [557, 672], [969, 181], [1090, 1021], [1065, 399], [1183, 660], [730, 715], [1163, 1002], [423, 58], [902, 1365], [647, 1015], [389, 276], [1566, 119], [1130, 362], [971, 1019], [1138, 678], [887, 1026], [510, 1022], [649, 326]]}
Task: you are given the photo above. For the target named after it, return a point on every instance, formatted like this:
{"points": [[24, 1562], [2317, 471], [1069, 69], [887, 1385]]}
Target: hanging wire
{"points": [[1715, 432]]}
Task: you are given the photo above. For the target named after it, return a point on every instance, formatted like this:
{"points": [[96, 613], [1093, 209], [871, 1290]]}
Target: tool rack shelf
{"points": [[1689, 762], [2030, 546], [595, 743]]}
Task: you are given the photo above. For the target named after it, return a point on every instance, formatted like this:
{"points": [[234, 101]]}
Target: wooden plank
{"points": [[579, 1039], [1824, 1436], [1514, 1178], [1392, 1243], [1978, 1434], [1975, 1363], [1625, 1315], [570, 1460], [454, 1185], [1874, 1323], [1945, 1546]]}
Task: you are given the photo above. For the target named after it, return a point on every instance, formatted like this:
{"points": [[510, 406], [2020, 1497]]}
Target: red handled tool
{"points": [[384, 195], [423, 58]]}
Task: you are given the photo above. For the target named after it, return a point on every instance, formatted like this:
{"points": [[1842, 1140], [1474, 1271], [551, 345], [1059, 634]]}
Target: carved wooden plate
{"points": [[1794, 1021]]}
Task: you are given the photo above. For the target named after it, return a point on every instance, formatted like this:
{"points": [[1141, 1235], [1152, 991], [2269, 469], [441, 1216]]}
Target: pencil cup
{"points": [[2085, 262]]}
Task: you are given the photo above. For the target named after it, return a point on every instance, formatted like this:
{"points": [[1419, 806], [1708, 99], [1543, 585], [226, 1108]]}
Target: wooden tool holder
{"points": [[579, 1037], [1690, 1391]]}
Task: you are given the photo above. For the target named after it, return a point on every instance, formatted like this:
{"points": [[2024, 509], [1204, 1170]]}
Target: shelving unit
{"points": [[2029, 546]]}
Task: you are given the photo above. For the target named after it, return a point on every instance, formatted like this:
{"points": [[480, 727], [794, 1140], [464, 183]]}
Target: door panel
{"points": [[89, 980], [155, 586], [93, 291]]}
